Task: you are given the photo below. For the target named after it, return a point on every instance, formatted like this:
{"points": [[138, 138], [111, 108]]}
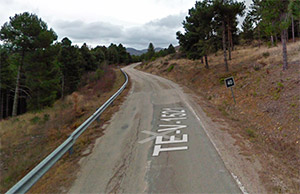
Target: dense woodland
{"points": [[212, 25], [36, 69]]}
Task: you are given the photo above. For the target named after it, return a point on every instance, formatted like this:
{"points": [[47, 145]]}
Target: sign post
{"points": [[229, 82]]}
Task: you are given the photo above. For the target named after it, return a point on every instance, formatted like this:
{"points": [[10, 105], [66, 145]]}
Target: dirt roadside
{"points": [[62, 175], [41, 136]]}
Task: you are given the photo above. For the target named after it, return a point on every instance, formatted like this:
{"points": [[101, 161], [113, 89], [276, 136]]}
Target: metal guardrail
{"points": [[35, 174]]}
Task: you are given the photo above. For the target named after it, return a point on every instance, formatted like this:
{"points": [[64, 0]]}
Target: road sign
{"points": [[229, 82]]}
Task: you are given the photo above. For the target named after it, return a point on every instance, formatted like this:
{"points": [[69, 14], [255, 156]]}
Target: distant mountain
{"points": [[158, 49], [136, 52]]}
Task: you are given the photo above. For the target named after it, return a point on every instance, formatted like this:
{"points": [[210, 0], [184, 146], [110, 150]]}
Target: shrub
{"points": [[170, 68], [46, 117], [99, 73], [250, 133], [280, 85], [35, 120], [266, 54]]}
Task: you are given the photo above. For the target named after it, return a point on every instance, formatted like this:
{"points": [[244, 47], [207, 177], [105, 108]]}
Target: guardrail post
{"points": [[98, 119], [71, 150]]}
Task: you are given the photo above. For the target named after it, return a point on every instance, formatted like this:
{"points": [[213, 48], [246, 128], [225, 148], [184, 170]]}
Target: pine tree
{"points": [[248, 29], [150, 51], [24, 33], [171, 49], [70, 61], [6, 81], [275, 16]]}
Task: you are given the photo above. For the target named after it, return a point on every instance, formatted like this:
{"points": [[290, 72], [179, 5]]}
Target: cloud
{"points": [[171, 21], [161, 32], [80, 31]]}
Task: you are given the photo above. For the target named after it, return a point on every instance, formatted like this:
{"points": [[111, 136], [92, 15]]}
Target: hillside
{"points": [[29, 138], [133, 51], [265, 121]]}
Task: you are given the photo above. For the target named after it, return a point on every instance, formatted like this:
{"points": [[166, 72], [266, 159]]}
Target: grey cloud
{"points": [[171, 21], [88, 32], [140, 37], [160, 32]]}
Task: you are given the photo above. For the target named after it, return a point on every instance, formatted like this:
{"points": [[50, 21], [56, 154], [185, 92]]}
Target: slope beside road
{"points": [[155, 143]]}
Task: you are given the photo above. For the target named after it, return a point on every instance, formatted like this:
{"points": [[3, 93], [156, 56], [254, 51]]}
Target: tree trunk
{"points": [[259, 40], [224, 46], [231, 40], [62, 87], [299, 28], [16, 97], [229, 46], [7, 104], [284, 52], [1, 106], [272, 40], [276, 39], [202, 60], [1, 96], [206, 62], [293, 29]]}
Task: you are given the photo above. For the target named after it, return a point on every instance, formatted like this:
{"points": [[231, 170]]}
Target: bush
{"points": [[46, 117], [99, 73], [280, 85], [266, 54], [35, 120], [250, 133], [170, 68]]}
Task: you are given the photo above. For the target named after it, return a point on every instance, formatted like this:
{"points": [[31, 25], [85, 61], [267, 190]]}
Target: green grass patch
{"points": [[279, 84], [250, 133], [170, 68], [266, 54], [35, 120]]}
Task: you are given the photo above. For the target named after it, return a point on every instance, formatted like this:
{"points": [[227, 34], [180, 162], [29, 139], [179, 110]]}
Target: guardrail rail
{"points": [[35, 174]]}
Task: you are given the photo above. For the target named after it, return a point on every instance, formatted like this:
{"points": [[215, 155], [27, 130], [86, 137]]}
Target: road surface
{"points": [[155, 143]]}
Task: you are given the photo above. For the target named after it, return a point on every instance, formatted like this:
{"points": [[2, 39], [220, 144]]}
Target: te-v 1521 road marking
{"points": [[170, 115]]}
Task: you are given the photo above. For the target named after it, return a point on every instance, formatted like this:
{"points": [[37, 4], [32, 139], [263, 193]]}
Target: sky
{"points": [[134, 23]]}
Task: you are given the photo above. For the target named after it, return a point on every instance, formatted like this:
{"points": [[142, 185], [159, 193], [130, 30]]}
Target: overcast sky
{"points": [[134, 23]]}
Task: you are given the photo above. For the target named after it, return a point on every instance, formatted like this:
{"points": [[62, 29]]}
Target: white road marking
{"points": [[158, 149], [174, 115], [154, 135], [172, 119], [159, 139], [171, 127], [171, 114]]}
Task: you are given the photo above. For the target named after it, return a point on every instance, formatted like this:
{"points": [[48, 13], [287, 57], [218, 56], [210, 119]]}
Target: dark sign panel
{"points": [[229, 82]]}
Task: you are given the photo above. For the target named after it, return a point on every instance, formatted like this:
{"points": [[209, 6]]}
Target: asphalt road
{"points": [[155, 143]]}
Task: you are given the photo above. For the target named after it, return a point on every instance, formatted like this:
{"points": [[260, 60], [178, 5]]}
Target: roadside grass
{"points": [[29, 138], [268, 102]]}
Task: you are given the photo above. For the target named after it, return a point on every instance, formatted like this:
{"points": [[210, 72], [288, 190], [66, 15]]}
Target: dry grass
{"points": [[29, 138], [267, 109]]}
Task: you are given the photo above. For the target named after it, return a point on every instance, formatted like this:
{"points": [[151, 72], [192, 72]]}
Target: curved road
{"points": [[155, 143]]}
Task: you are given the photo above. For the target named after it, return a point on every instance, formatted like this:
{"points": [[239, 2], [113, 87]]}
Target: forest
{"points": [[212, 25], [36, 69]]}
